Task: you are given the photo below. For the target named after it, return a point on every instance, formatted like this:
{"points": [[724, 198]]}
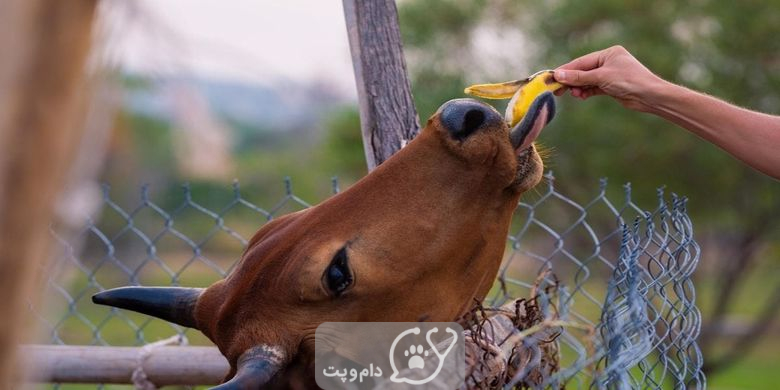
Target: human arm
{"points": [[750, 136]]}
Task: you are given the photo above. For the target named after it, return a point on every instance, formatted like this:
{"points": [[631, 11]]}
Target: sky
{"points": [[257, 41]]}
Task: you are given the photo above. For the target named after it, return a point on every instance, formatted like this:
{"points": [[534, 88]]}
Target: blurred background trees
{"points": [[312, 132], [724, 49]]}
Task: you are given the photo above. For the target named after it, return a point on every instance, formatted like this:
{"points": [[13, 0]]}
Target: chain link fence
{"points": [[611, 279]]}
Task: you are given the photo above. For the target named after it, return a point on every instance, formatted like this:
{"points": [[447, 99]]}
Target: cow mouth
{"points": [[529, 167], [524, 162], [522, 137], [541, 112]]}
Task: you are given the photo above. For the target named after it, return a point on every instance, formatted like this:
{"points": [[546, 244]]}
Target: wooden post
{"points": [[388, 118], [163, 366], [44, 46]]}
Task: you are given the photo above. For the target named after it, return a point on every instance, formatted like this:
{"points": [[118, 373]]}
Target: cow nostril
{"points": [[473, 120], [463, 117]]}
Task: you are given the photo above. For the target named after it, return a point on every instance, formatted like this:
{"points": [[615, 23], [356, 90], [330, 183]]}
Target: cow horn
{"points": [[174, 304], [255, 369]]}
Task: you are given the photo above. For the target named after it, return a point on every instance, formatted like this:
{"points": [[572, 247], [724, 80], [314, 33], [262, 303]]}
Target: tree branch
{"points": [[729, 280], [748, 340]]}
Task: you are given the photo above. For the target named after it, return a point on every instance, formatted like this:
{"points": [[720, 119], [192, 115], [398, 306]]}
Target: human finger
{"points": [[587, 62], [561, 91], [578, 78]]}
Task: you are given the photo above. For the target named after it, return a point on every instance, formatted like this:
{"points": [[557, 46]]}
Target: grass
{"points": [[757, 370]]}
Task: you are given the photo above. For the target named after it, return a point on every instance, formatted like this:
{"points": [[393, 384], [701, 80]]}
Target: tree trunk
{"points": [[387, 115], [754, 335], [44, 46]]}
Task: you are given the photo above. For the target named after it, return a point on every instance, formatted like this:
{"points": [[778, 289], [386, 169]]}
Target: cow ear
{"points": [[174, 304], [540, 113]]}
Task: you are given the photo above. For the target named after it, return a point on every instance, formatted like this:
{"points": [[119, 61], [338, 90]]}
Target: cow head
{"points": [[419, 238]]}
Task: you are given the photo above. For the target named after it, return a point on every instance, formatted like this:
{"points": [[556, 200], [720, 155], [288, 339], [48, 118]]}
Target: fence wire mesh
{"points": [[611, 281]]}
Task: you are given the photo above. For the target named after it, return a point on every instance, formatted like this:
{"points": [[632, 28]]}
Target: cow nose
{"points": [[462, 117]]}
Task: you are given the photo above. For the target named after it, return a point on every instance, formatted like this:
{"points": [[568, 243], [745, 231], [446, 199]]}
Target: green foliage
{"points": [[342, 149], [132, 82], [142, 146], [726, 49], [428, 24], [254, 138], [693, 44], [152, 139], [434, 32]]}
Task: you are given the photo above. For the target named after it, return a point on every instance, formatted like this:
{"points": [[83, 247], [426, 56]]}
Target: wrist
{"points": [[658, 95]]}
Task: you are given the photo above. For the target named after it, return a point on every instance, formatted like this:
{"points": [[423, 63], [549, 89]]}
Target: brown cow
{"points": [[419, 238]]}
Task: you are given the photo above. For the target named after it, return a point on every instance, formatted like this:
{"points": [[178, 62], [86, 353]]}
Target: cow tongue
{"points": [[530, 126]]}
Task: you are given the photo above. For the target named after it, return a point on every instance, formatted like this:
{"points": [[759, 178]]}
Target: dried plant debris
{"points": [[515, 345]]}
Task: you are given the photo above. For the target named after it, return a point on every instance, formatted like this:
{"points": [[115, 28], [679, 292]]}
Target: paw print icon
{"points": [[416, 360], [416, 355]]}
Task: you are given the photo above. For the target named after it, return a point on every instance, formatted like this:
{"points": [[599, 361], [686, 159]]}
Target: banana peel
{"points": [[520, 92]]}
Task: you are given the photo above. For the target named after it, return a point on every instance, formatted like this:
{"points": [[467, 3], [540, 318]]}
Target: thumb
{"points": [[577, 78]]}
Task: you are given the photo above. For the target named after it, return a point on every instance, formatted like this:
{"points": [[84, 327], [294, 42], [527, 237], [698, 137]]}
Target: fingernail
{"points": [[560, 75]]}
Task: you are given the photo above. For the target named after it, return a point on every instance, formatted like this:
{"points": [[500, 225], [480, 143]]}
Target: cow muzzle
{"points": [[463, 117]]}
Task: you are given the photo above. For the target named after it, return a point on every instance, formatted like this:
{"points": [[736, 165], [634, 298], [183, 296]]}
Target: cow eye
{"points": [[338, 276]]}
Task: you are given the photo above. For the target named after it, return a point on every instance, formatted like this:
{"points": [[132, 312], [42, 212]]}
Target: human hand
{"points": [[614, 72]]}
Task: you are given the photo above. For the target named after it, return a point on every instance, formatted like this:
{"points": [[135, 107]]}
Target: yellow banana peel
{"points": [[520, 92]]}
